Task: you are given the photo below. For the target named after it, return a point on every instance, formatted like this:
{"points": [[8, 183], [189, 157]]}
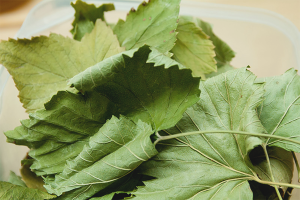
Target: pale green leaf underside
{"points": [[10, 191], [280, 111], [158, 95], [193, 49], [86, 16], [43, 65], [153, 23], [209, 166], [117, 149]]}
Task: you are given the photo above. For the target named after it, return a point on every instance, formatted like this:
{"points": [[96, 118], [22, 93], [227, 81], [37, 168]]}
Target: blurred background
{"points": [[13, 12]]}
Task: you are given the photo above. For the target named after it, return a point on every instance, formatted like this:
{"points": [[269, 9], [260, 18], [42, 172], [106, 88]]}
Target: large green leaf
{"points": [[43, 65], [123, 85], [209, 166], [224, 53], [117, 149], [86, 16], [153, 23], [157, 95], [280, 111], [10, 191], [193, 48]]}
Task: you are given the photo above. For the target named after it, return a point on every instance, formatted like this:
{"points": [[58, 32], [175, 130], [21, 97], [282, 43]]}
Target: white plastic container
{"points": [[266, 41]]}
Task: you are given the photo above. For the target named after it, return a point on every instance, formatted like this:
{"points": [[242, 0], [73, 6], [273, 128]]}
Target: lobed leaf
{"points": [[43, 65], [153, 23], [206, 166], [158, 95], [193, 48], [86, 16]]}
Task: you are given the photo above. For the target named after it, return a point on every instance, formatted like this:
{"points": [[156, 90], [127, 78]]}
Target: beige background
{"points": [[10, 22]]}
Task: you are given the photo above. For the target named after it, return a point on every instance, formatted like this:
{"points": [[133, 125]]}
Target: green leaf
{"points": [[43, 65], [63, 128], [102, 162], [16, 180], [224, 53], [157, 95], [193, 48], [10, 191], [280, 111], [206, 166], [86, 16], [119, 85], [153, 23]]}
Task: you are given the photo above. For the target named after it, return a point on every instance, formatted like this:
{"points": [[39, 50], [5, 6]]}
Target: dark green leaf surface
{"points": [[193, 49], [43, 65], [153, 23], [10, 191], [280, 112], [86, 16], [158, 95], [209, 166]]}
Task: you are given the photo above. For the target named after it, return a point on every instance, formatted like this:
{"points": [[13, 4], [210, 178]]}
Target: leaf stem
{"points": [[271, 171], [297, 165], [168, 137], [275, 183]]}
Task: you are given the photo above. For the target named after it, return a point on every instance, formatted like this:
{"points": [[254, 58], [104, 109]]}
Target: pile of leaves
{"points": [[119, 111]]}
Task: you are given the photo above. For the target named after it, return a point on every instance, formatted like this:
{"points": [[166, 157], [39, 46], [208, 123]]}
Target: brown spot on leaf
{"points": [[241, 96], [144, 3], [132, 9], [144, 19], [150, 18], [277, 82], [164, 40], [172, 31], [177, 20]]}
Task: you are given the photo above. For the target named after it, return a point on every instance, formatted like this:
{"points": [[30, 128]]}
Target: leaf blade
{"points": [[43, 65], [153, 23]]}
